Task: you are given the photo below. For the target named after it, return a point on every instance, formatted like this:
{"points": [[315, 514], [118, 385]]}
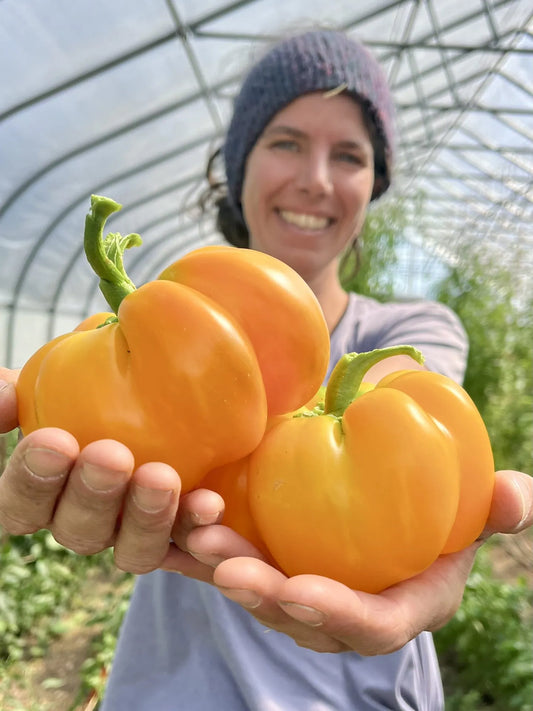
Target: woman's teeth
{"points": [[306, 222]]}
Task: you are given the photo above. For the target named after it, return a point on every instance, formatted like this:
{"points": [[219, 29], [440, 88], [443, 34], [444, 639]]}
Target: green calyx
{"points": [[346, 378], [105, 255]]}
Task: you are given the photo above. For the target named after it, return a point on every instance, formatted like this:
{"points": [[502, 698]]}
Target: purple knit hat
{"points": [[313, 61]]}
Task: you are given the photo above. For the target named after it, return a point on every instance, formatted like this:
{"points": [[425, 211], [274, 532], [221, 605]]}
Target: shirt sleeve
{"points": [[431, 327]]}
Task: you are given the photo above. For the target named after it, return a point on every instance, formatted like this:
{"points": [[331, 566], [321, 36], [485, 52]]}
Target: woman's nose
{"points": [[315, 175]]}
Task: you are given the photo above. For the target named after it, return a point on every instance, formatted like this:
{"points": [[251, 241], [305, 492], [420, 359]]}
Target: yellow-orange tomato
{"points": [[451, 406], [180, 376], [231, 482], [277, 310], [371, 490], [175, 380]]}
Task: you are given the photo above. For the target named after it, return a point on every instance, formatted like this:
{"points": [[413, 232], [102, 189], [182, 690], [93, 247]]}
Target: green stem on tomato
{"points": [[347, 376], [106, 255]]}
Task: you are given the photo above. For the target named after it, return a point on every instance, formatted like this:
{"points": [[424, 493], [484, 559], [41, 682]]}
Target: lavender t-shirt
{"points": [[185, 647]]}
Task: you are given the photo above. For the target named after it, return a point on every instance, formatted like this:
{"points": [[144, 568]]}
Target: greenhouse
{"points": [[130, 99]]}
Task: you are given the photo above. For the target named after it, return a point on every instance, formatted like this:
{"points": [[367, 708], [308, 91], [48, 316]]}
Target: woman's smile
{"points": [[305, 221]]}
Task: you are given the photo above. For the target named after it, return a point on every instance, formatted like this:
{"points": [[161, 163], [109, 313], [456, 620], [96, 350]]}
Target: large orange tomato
{"points": [[188, 369]]}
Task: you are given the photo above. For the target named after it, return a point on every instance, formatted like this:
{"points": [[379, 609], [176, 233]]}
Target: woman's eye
{"points": [[285, 145], [351, 158]]}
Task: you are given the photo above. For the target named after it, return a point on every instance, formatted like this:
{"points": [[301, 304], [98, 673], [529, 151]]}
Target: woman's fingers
{"points": [[257, 587], [149, 512], [326, 616], [199, 547], [86, 514], [379, 624], [179, 561], [213, 544], [90, 500], [200, 507], [34, 479]]}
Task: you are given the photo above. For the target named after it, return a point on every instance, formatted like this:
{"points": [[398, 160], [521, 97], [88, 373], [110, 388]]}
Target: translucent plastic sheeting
{"points": [[128, 98]]}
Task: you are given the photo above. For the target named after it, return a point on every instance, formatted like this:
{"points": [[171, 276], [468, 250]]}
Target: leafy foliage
{"points": [[41, 586], [96, 667], [371, 272], [486, 650], [37, 578], [499, 375]]}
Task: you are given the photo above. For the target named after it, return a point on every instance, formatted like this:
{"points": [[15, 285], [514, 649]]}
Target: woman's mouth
{"points": [[305, 221]]}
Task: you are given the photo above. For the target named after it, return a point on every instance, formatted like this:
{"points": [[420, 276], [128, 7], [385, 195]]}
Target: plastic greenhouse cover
{"points": [[128, 98]]}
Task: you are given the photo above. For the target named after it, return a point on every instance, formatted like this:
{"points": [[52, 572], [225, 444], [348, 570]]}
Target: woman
{"points": [[309, 146]]}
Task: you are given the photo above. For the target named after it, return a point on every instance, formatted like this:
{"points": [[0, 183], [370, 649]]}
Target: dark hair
{"points": [[215, 198]]}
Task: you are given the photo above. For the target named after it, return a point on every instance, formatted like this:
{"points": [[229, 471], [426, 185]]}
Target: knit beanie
{"points": [[319, 60]]}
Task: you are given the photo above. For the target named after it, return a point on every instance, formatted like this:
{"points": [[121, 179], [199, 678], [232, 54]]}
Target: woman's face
{"points": [[308, 181]]}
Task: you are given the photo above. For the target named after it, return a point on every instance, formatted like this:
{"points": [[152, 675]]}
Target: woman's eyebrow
{"points": [[354, 145], [283, 129]]}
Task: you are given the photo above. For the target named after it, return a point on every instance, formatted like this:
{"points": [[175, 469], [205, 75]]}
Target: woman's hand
{"points": [[326, 616], [90, 499]]}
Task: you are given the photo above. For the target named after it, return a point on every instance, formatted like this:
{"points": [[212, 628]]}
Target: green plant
{"points": [[486, 650], [498, 319], [36, 580], [95, 669], [371, 272], [8, 442]]}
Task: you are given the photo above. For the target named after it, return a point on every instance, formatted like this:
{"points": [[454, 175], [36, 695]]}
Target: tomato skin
{"points": [[450, 405], [231, 482], [366, 484], [153, 381], [351, 501], [94, 321], [275, 307], [184, 373], [192, 364]]}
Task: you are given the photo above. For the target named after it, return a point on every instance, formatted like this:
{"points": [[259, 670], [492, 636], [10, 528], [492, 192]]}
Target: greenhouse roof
{"points": [[127, 99]]}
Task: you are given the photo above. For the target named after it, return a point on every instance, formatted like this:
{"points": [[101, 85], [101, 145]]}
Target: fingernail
{"points": [[524, 498], [205, 519], [46, 463], [303, 613], [207, 559], [246, 598], [151, 500], [100, 479]]}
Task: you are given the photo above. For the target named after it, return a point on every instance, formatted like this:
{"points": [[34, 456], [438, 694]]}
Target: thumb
{"points": [[512, 503]]}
